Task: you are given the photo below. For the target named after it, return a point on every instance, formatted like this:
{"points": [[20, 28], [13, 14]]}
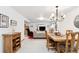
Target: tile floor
{"points": [[34, 46]]}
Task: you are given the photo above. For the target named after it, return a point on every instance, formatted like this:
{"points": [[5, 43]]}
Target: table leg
{"points": [[58, 50]]}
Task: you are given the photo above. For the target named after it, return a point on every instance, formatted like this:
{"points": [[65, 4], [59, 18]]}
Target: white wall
{"points": [[13, 15], [68, 22], [34, 25]]}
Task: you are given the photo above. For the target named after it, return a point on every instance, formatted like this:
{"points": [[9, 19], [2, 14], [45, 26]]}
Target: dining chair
{"points": [[76, 42], [67, 46], [69, 42], [50, 43]]}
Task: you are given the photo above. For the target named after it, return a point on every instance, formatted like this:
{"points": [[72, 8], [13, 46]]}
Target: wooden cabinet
{"points": [[11, 42]]}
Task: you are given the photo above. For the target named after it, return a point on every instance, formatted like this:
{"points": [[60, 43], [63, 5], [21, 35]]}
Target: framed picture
{"points": [[4, 21], [13, 22], [76, 21]]}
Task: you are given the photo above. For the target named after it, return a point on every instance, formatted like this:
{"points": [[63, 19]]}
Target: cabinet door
{"points": [[8, 44]]}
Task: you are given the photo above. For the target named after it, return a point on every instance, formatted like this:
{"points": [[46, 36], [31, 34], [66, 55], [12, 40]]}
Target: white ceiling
{"points": [[32, 12]]}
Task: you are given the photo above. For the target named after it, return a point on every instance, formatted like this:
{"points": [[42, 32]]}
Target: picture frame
{"points": [[4, 21], [13, 22], [76, 21]]}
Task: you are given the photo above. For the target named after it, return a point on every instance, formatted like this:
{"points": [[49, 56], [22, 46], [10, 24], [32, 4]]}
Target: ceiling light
{"points": [[56, 17], [41, 18]]}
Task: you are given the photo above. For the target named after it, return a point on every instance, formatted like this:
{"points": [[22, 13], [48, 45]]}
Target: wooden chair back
{"points": [[69, 41], [46, 34], [49, 43], [47, 38], [76, 41]]}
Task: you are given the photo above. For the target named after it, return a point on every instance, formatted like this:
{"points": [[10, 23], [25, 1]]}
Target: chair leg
{"points": [[66, 49], [77, 49], [72, 46], [47, 48], [71, 49]]}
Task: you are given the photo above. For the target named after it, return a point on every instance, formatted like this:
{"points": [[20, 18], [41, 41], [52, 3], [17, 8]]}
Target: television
{"points": [[42, 28]]}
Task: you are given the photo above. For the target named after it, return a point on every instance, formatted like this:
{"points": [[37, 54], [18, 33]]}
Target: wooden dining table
{"points": [[58, 39]]}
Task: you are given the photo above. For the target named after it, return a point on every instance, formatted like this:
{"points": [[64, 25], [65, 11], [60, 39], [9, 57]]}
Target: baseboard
{"points": [[39, 37], [23, 40]]}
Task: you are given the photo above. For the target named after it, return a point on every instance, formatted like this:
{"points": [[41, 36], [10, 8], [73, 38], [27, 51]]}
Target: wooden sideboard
{"points": [[11, 42]]}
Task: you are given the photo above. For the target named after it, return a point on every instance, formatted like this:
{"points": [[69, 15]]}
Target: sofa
{"points": [[39, 34]]}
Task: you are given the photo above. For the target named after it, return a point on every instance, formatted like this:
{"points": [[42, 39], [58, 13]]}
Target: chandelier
{"points": [[56, 17]]}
